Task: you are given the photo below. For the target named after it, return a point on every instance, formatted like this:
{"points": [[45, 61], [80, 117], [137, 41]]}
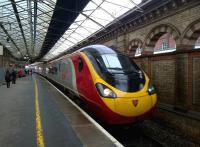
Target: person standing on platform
{"points": [[7, 78], [14, 75], [31, 72]]}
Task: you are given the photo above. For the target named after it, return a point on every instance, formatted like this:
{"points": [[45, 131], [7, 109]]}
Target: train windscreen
{"points": [[116, 63], [118, 70]]}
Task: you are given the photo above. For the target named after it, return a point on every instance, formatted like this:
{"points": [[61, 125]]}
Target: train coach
{"points": [[109, 82]]}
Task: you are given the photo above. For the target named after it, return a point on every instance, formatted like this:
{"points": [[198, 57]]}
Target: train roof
{"points": [[99, 49]]}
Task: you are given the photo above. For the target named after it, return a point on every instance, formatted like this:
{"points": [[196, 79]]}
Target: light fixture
{"points": [[7, 45]]}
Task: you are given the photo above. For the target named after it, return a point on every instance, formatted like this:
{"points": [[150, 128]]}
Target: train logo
{"points": [[135, 102]]}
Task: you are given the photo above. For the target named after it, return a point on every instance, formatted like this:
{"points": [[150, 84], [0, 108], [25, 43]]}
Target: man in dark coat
{"points": [[14, 75], [7, 78]]}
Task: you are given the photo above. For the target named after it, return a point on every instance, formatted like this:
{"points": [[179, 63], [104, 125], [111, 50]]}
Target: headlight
{"points": [[104, 91], [151, 89]]}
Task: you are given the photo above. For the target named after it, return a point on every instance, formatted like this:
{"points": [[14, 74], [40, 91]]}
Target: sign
{"points": [[1, 50]]}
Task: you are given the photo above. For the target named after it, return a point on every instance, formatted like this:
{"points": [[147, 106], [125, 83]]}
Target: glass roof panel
{"points": [[77, 36], [25, 26], [83, 32], [89, 8], [91, 26], [95, 16], [102, 20], [80, 19]]}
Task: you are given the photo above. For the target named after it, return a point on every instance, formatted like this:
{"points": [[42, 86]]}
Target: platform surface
{"points": [[62, 124]]}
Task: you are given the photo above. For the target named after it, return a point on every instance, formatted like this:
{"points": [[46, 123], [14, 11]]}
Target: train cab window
{"points": [[80, 64], [116, 63], [99, 62]]}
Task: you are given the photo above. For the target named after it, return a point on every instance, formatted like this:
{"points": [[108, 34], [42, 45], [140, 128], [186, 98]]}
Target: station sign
{"points": [[1, 50]]}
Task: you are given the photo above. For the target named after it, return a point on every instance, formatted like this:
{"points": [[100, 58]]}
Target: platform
{"points": [[33, 112]]}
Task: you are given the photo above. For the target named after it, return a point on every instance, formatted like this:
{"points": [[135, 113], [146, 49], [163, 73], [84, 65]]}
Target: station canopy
{"points": [[25, 25], [95, 17]]}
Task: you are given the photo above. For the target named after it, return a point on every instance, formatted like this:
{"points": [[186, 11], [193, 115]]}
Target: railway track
{"points": [[132, 136]]}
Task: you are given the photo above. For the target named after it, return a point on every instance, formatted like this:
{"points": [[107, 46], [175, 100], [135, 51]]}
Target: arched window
{"points": [[138, 52], [165, 43], [197, 44], [135, 48]]}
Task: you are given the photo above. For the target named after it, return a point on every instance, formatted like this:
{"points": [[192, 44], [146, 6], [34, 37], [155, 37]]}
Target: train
{"points": [[110, 83]]}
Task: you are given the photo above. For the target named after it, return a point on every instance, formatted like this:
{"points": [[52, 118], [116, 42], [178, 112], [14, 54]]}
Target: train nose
{"points": [[134, 106]]}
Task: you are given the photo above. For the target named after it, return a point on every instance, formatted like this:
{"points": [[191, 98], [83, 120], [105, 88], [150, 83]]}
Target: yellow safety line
{"points": [[39, 132]]}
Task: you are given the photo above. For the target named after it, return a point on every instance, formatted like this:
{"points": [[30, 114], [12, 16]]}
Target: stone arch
{"points": [[191, 33], [153, 36], [133, 45]]}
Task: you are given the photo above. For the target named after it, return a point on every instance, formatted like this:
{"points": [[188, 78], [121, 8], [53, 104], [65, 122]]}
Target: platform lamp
{"points": [[26, 57]]}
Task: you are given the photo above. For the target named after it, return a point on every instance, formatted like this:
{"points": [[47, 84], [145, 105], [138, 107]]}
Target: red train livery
{"points": [[109, 82]]}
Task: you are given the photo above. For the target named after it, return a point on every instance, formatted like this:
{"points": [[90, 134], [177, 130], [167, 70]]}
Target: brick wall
{"points": [[161, 70], [6, 59], [196, 80], [163, 76], [176, 77]]}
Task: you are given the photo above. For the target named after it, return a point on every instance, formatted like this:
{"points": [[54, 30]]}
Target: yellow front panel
{"points": [[125, 106]]}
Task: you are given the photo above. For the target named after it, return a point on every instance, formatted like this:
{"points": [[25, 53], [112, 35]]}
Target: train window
{"points": [[80, 64]]}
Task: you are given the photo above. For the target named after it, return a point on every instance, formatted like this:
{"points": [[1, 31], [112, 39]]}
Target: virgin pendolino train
{"points": [[109, 82]]}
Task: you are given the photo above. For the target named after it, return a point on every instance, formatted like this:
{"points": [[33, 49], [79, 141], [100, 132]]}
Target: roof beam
{"points": [[105, 10], [19, 23], [65, 11], [9, 4], [140, 9], [6, 32], [35, 22], [30, 22]]}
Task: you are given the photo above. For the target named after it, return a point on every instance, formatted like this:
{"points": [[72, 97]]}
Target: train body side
{"points": [[63, 72], [77, 73], [66, 72]]}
